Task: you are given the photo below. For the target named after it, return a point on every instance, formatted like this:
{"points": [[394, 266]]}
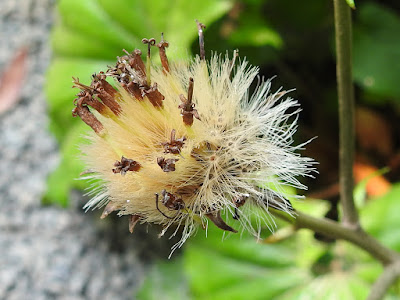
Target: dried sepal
{"points": [[216, 218], [133, 219], [110, 207], [239, 201]]}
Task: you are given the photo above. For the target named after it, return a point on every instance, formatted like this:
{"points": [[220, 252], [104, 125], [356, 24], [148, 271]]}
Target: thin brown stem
{"points": [[385, 281], [346, 110], [336, 230]]}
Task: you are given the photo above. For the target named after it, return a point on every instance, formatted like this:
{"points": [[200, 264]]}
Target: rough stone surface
{"points": [[48, 252]]}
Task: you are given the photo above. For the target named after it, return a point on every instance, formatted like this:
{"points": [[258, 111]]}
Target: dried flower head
{"points": [[184, 143]]}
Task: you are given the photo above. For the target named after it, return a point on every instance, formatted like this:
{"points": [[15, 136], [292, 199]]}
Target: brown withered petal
{"points": [[217, 220], [110, 207], [133, 219]]}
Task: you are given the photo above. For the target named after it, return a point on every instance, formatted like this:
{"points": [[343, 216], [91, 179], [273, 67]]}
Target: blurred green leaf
{"points": [[165, 281], [89, 36], [381, 219], [64, 178], [351, 3], [237, 267], [253, 30], [377, 50]]}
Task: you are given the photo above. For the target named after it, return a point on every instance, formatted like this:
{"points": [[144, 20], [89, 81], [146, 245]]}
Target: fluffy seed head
{"points": [[185, 143]]}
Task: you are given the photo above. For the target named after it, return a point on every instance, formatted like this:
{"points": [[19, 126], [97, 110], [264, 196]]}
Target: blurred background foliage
{"points": [[294, 41]]}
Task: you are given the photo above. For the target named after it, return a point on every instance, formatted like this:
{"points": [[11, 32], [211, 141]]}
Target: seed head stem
{"points": [[346, 110]]}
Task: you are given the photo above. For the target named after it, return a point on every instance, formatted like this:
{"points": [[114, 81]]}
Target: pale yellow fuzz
{"points": [[240, 147]]}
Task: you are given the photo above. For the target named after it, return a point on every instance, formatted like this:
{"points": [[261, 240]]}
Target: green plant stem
{"points": [[339, 231], [383, 283], [343, 35]]}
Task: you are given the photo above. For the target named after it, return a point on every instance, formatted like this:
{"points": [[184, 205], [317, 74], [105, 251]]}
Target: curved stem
{"points": [[338, 231], [343, 36], [383, 283]]}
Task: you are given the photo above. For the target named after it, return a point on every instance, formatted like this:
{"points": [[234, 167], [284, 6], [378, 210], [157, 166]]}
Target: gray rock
{"points": [[48, 252]]}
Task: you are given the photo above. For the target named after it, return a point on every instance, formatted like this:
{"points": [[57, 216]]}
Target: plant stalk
{"points": [[339, 231], [343, 35], [383, 283]]}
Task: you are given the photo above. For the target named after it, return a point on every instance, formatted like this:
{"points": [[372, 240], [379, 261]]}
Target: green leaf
{"points": [[65, 177], [255, 31], [89, 36], [351, 4], [380, 218], [165, 281], [377, 50], [239, 268]]}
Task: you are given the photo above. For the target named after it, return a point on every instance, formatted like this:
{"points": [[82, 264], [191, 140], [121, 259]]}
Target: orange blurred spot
{"points": [[376, 185]]}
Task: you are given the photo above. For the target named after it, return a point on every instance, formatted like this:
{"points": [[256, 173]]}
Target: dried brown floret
{"points": [[167, 165], [154, 96], [174, 146], [126, 165], [134, 89], [84, 113], [170, 201], [187, 106], [163, 56]]}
